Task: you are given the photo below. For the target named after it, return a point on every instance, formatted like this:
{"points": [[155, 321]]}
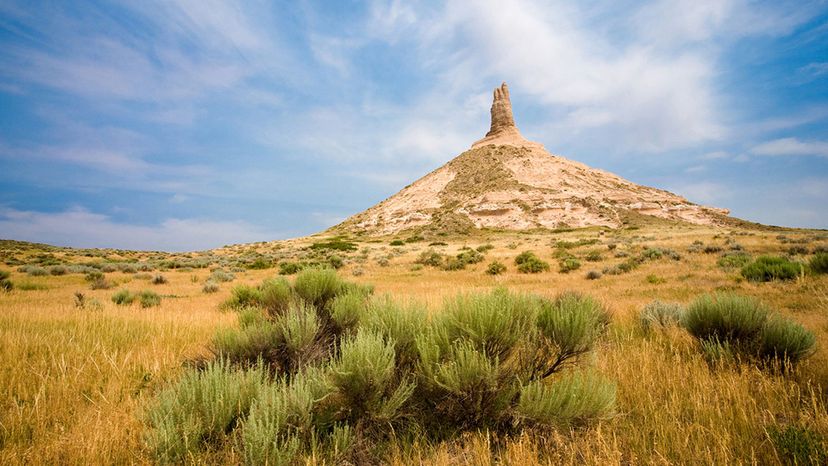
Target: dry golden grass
{"points": [[74, 381]]}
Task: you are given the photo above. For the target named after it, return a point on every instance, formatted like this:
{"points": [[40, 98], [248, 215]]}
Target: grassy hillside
{"points": [[80, 372]]}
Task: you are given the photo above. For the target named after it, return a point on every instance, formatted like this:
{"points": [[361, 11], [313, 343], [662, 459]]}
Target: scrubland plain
{"points": [[78, 373]]}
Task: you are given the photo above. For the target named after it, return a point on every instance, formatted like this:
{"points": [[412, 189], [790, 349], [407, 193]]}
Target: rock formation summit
{"points": [[507, 182]]}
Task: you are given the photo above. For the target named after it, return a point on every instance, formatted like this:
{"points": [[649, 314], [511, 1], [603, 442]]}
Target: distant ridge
{"points": [[507, 182]]}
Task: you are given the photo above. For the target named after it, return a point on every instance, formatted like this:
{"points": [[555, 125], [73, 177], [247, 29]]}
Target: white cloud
{"points": [[791, 146], [79, 227], [703, 192]]}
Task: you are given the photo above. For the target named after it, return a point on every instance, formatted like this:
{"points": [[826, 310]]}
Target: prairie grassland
{"points": [[75, 380]]}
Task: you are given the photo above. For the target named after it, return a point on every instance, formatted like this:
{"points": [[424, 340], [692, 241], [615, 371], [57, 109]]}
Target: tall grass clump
{"points": [[202, 407], [769, 268]]}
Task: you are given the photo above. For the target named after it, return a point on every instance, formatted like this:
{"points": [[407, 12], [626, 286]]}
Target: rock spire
{"points": [[502, 119], [503, 130]]}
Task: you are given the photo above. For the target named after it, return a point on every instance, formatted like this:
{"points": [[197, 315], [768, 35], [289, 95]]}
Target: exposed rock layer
{"points": [[507, 182]]}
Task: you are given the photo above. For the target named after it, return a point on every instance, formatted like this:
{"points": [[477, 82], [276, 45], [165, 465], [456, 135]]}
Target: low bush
{"points": [[819, 263], [745, 327], [149, 299], [123, 298], [785, 340], [430, 258], [528, 262], [397, 242], [734, 260], [58, 270], [159, 279], [726, 318], [495, 268], [290, 268], [593, 275], [336, 244], [210, 287], [221, 276], [568, 265], [594, 256], [657, 315], [769, 268]]}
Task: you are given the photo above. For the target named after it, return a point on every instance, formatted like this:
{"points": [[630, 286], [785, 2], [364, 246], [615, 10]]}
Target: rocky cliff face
{"points": [[507, 182]]}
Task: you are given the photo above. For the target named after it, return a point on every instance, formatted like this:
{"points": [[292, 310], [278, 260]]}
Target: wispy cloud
{"points": [[791, 146]]}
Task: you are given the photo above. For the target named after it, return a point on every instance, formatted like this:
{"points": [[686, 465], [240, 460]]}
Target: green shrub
{"points": [[528, 262], [159, 279], [470, 256], [250, 344], [798, 445], [260, 264], [493, 323], [397, 242], [210, 287], [221, 276], [363, 375], [569, 327], [483, 248], [819, 263], [657, 315], [290, 268], [123, 298], [336, 244], [335, 262], [203, 406], [299, 327], [149, 299], [495, 268], [725, 318], [768, 268], [283, 419], [568, 265], [36, 271], [430, 258], [785, 340], [275, 295], [398, 324], [594, 256], [243, 296], [347, 310], [58, 270], [734, 260], [453, 263], [574, 399], [317, 286]]}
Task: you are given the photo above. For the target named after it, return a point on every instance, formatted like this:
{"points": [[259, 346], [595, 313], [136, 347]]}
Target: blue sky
{"points": [[182, 125]]}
